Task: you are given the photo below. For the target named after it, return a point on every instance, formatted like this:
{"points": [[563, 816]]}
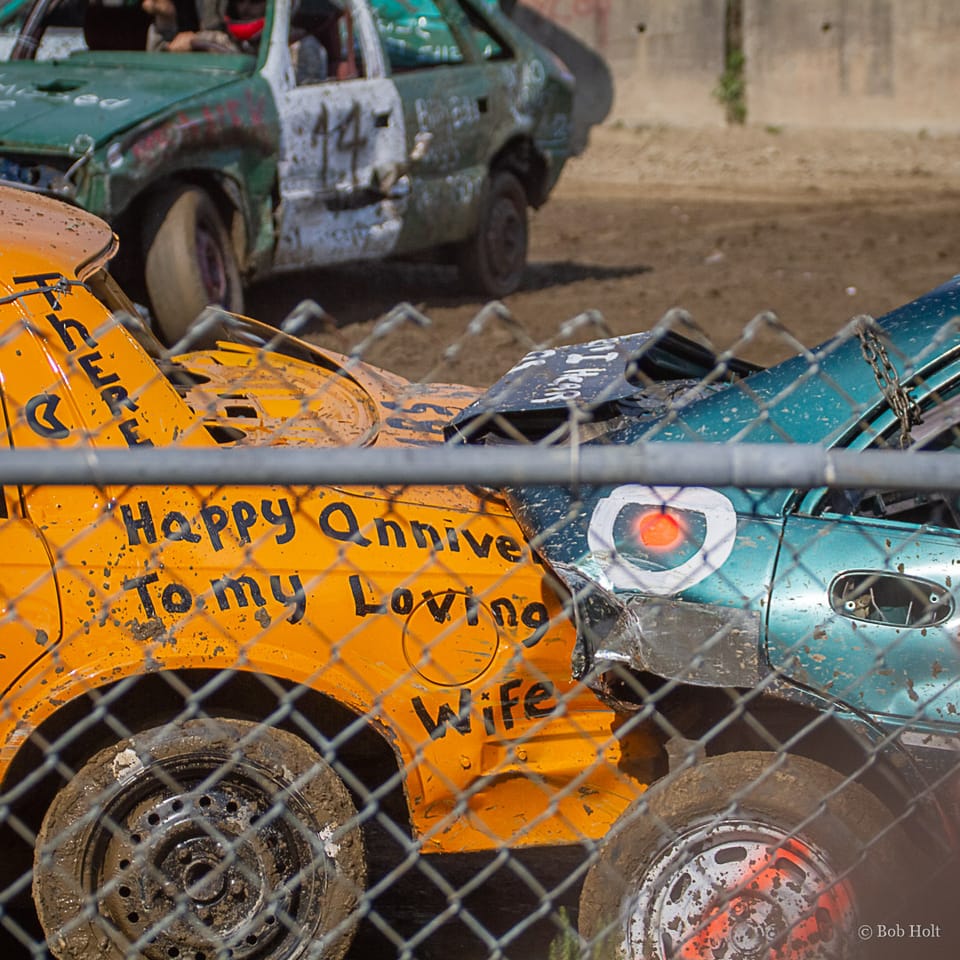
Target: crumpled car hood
{"points": [[322, 399], [616, 376]]}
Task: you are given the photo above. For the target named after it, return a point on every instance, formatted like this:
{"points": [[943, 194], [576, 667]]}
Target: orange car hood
{"points": [[313, 398]]}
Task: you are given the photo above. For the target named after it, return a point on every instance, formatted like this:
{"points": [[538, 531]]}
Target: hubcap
{"points": [[741, 891]]}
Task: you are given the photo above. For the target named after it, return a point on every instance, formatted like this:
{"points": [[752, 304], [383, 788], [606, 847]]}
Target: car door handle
{"points": [[878, 596]]}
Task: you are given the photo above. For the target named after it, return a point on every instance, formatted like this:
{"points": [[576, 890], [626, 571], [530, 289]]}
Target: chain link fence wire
{"points": [[643, 652]]}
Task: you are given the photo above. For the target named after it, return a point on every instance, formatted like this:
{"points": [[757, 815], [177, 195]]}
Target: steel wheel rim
{"points": [[190, 866], [213, 270], [746, 888]]}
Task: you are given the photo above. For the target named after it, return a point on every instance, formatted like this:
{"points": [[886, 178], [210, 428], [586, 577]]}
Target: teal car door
{"points": [[442, 67], [866, 593], [865, 610]]}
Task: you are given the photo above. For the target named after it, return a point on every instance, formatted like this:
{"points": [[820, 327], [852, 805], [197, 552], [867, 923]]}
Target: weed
{"points": [[731, 88]]}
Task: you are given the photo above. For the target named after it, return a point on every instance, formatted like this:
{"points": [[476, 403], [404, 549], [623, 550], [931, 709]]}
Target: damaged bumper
{"points": [[697, 643]]}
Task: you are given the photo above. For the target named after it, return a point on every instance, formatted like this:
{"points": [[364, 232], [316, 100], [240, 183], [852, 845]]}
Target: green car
{"points": [[347, 130]]}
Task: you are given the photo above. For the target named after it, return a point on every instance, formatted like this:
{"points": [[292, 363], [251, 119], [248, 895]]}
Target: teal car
{"points": [[345, 130], [804, 639]]}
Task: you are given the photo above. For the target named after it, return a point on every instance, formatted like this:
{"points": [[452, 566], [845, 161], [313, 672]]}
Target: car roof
{"points": [[76, 242]]}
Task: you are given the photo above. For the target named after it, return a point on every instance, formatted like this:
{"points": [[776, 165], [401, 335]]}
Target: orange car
{"points": [[201, 687]]}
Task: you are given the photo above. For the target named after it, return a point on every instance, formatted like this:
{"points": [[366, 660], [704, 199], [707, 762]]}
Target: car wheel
{"points": [[189, 261], [743, 856], [492, 261], [204, 839]]}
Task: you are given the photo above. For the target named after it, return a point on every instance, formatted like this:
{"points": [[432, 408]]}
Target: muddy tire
{"points": [[492, 261], [687, 874], [189, 261], [205, 839]]}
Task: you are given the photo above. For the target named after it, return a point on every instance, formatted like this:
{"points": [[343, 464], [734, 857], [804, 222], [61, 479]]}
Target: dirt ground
{"points": [[816, 226]]}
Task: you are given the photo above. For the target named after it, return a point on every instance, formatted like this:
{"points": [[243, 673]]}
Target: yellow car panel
{"points": [[421, 611]]}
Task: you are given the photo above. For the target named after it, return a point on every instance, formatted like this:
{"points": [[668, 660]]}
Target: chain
{"points": [[902, 404]]}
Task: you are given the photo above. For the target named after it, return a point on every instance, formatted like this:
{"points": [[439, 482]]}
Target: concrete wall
{"points": [[877, 64], [860, 63], [663, 56], [674, 70]]}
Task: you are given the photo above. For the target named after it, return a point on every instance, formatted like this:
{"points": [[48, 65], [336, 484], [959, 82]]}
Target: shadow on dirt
{"points": [[463, 905], [557, 273], [513, 902], [361, 292]]}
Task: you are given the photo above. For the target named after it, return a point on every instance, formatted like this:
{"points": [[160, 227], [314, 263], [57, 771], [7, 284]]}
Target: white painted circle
{"points": [[721, 534]]}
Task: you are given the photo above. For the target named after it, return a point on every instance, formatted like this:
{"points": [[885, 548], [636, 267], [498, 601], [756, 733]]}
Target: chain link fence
{"points": [[646, 651]]}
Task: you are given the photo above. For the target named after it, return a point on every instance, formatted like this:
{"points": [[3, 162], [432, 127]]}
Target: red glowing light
{"points": [[659, 530]]}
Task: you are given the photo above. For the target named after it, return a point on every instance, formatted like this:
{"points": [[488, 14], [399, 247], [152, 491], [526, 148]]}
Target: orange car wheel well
{"points": [[359, 753]]}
